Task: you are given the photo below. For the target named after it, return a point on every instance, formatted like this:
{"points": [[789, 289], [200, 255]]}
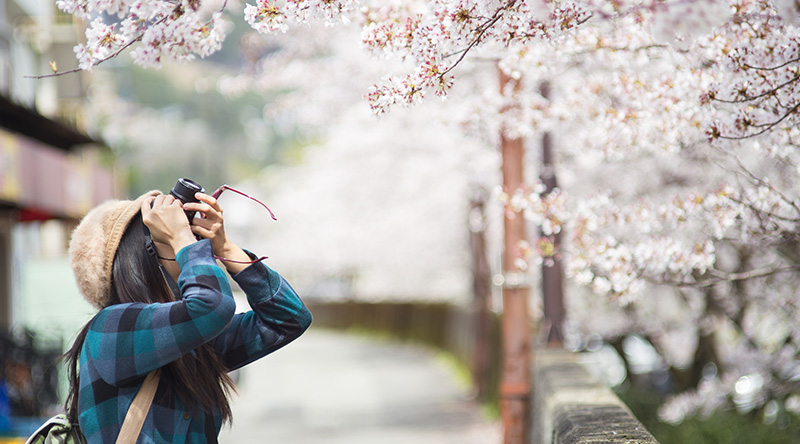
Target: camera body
{"points": [[184, 191]]}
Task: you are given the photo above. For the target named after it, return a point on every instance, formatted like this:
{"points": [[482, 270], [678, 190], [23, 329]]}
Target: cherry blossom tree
{"points": [[702, 197], [677, 129]]}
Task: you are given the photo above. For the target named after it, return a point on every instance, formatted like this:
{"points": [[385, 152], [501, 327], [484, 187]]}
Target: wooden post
{"points": [[552, 276], [481, 290]]}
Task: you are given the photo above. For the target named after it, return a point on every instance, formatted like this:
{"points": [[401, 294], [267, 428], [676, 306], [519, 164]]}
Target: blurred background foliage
{"points": [[161, 123], [723, 427]]}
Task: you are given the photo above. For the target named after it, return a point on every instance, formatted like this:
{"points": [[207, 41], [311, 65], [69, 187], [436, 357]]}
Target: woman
{"points": [[191, 334]]}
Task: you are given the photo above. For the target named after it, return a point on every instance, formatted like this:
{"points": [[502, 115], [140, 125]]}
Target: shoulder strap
{"points": [[137, 412]]}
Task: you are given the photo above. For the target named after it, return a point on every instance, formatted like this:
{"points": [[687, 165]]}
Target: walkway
{"points": [[333, 388]]}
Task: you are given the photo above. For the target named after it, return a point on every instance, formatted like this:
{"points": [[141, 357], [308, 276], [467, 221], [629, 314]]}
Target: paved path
{"points": [[334, 388]]}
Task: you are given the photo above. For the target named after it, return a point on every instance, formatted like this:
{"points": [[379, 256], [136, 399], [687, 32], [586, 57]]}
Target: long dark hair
{"points": [[199, 382]]}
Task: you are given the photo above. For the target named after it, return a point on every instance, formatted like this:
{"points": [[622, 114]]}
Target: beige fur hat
{"points": [[94, 244]]}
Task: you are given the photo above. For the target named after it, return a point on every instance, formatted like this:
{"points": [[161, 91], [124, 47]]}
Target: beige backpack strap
{"points": [[137, 412]]}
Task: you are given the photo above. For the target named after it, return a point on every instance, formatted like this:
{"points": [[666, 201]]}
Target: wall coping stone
{"points": [[570, 406]]}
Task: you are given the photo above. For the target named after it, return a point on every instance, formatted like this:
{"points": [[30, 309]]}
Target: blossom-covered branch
{"points": [[173, 30]]}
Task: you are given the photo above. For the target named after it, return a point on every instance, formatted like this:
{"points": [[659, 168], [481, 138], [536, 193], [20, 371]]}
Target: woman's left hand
{"points": [[210, 225]]}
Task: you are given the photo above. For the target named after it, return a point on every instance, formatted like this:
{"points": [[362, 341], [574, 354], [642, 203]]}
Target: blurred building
{"points": [[51, 171]]}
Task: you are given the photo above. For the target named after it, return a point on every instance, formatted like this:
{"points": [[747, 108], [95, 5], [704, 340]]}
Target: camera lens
{"points": [[185, 189]]}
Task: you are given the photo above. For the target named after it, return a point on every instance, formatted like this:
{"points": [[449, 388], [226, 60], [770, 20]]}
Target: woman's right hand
{"points": [[164, 217]]}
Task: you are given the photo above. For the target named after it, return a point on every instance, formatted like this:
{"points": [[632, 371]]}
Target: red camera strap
{"points": [[216, 195], [226, 187]]}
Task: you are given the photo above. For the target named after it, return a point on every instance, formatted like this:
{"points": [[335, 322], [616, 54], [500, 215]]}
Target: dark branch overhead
{"points": [[28, 122]]}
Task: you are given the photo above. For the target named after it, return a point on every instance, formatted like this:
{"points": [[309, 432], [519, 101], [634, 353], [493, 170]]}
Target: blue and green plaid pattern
{"points": [[127, 341]]}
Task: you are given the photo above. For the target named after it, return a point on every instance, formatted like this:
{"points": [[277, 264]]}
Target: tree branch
{"points": [[721, 276], [762, 182], [772, 68], [764, 94], [122, 48], [481, 31], [113, 55], [766, 126]]}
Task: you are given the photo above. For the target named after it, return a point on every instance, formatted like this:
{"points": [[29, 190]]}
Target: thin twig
{"points": [[769, 214], [764, 94], [766, 126], [447, 56], [483, 28], [772, 68], [111, 56], [763, 182], [618, 48]]}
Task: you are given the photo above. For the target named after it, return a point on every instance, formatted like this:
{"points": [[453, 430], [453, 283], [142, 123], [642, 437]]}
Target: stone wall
{"points": [[572, 407]]}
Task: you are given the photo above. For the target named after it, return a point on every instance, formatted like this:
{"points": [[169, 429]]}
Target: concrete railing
{"points": [[572, 407]]}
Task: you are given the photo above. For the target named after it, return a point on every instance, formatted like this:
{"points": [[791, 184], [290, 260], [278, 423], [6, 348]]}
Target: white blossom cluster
{"points": [[166, 30], [270, 16], [757, 91], [619, 248]]}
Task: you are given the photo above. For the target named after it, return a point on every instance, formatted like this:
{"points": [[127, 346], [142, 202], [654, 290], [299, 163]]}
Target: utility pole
{"points": [[515, 385], [481, 290], [552, 275]]}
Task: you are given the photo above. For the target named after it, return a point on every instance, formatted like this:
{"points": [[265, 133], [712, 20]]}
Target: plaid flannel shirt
{"points": [[126, 341]]}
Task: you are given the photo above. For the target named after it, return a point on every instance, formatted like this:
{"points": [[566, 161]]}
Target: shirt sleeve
{"points": [[127, 341], [277, 317]]}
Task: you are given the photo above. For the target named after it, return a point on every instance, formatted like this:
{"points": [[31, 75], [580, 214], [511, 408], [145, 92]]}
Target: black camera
{"points": [[184, 191]]}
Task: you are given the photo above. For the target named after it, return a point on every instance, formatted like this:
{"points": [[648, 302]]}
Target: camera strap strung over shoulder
{"points": [[151, 250], [173, 286]]}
